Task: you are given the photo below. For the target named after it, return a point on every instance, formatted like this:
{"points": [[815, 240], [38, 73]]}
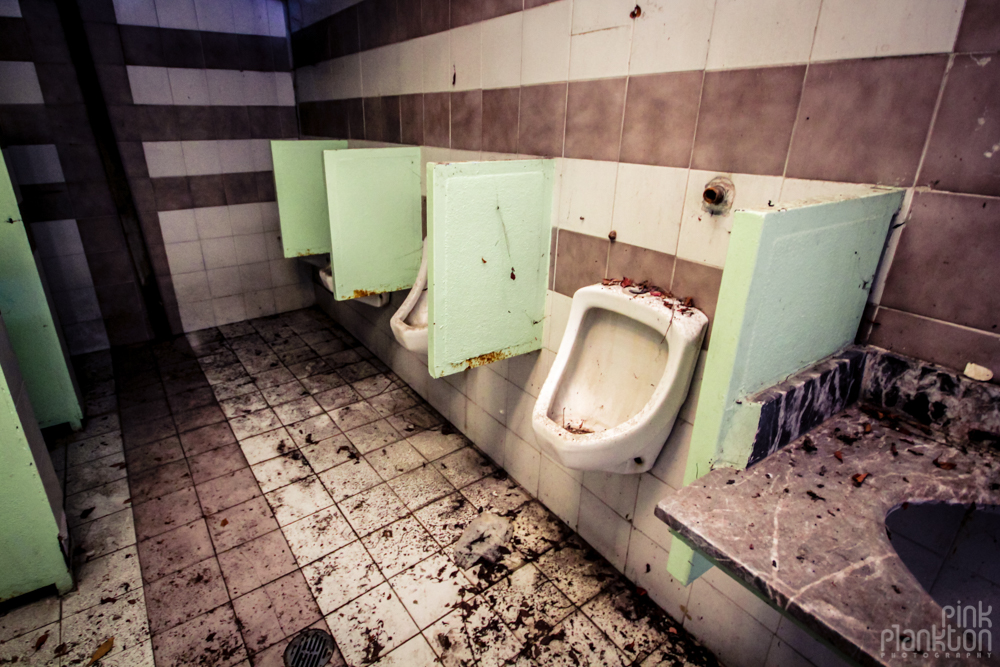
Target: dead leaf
{"points": [[87, 512], [484, 259], [672, 631], [859, 478], [892, 448], [40, 642], [839, 455], [224, 523], [61, 650], [102, 651], [512, 276], [807, 446], [120, 466], [868, 428], [944, 465], [626, 282]]}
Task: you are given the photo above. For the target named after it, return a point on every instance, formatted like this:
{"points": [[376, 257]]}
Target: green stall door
{"points": [[301, 189], [488, 225], [33, 333], [374, 219]]}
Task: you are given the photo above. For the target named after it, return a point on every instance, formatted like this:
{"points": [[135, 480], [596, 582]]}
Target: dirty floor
{"points": [[236, 486]]}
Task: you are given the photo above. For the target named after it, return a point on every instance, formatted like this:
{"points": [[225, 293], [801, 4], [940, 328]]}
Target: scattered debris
{"points": [[859, 478], [944, 465], [224, 523], [807, 446], [892, 448], [578, 430], [815, 496], [483, 540], [635, 13], [612, 235], [40, 642], [839, 455], [102, 651]]}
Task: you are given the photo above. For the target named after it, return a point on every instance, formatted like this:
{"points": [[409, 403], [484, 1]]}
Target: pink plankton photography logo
{"points": [[965, 632]]}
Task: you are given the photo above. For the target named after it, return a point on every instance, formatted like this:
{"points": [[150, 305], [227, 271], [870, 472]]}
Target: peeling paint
{"points": [[488, 358]]}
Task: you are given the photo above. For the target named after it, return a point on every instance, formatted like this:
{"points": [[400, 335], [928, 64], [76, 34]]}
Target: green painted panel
{"points": [[32, 329], [793, 292], [29, 533], [488, 226], [375, 219], [301, 189]]}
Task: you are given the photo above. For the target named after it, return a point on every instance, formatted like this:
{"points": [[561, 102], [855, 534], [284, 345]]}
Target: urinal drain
{"points": [[310, 648]]}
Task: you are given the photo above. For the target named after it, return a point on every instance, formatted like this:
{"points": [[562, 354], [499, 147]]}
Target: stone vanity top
{"points": [[806, 528]]}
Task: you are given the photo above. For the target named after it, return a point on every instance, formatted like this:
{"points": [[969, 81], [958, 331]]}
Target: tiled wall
{"points": [[790, 99]]}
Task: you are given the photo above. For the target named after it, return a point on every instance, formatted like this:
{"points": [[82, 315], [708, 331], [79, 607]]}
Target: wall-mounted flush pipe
{"points": [[717, 197]]}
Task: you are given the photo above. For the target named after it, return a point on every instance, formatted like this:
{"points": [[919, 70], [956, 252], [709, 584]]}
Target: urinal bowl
{"points": [[619, 379], [409, 324]]}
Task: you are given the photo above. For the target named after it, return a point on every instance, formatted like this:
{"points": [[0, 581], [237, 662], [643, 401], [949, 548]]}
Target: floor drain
{"points": [[310, 648]]}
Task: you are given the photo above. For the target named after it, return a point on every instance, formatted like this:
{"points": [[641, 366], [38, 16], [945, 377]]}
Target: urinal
{"points": [[619, 379], [373, 300], [409, 324]]}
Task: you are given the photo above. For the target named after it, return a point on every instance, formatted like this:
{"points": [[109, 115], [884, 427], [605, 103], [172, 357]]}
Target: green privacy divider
{"points": [[488, 226], [793, 292], [374, 219], [301, 189], [30, 325]]}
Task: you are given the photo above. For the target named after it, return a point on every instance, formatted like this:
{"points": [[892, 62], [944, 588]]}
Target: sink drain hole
{"points": [[310, 648]]}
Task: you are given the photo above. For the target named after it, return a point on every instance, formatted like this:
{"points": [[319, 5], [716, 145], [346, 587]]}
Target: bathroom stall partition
{"points": [[488, 226], [795, 286], [300, 185]]}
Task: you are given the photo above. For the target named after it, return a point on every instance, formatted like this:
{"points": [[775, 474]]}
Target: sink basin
{"points": [[953, 550]]}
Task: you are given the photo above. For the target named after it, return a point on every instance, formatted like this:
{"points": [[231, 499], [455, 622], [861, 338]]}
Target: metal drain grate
{"points": [[310, 648]]}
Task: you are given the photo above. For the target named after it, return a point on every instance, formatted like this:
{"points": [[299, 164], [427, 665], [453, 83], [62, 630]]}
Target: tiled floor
{"points": [[268, 476]]}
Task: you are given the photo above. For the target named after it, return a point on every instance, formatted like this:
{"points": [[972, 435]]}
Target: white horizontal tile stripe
{"points": [[19, 83], [187, 86], [35, 164], [10, 8], [200, 158], [244, 17]]}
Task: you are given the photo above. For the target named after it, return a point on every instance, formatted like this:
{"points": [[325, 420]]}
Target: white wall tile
{"points": [[647, 567], [272, 241], [191, 287], [276, 23], [587, 196], [246, 219], [269, 216], [184, 257], [690, 407], [560, 492], [164, 158], [255, 277], [523, 462], [56, 238], [798, 189], [178, 226], [225, 87], [179, 14], [437, 62], [150, 85], [201, 158], [250, 248], [251, 17], [411, 66], [486, 432], [285, 89], [79, 305], [766, 32], [649, 201], [229, 309], [600, 54], [224, 282], [196, 315], [616, 491], [260, 88], [136, 12], [672, 37], [35, 164], [501, 59], [781, 654], [764, 613], [466, 57], [519, 407], [377, 68], [214, 15], [19, 83], [731, 633], [670, 464], [487, 390], [67, 272], [879, 28], [704, 238], [545, 43], [219, 253], [806, 645], [557, 320], [529, 371], [595, 15], [236, 156], [651, 492], [343, 78], [284, 272], [260, 155], [607, 532], [213, 222], [260, 303]]}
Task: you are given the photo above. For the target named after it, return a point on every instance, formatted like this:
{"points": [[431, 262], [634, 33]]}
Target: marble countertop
{"points": [[805, 529]]}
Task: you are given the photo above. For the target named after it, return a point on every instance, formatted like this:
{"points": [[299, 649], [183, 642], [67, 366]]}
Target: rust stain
{"points": [[487, 358], [358, 293]]}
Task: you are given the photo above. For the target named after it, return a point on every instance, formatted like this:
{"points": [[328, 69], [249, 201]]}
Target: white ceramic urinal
{"points": [[619, 379], [409, 324], [374, 300]]}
